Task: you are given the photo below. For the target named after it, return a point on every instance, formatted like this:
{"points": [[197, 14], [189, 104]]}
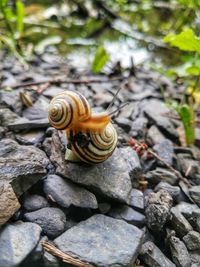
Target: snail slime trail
{"points": [[92, 137]]}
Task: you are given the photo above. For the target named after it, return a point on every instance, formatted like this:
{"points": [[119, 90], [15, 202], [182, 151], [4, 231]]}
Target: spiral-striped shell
{"points": [[67, 109], [100, 146]]}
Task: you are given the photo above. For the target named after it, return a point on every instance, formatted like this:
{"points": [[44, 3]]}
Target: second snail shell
{"points": [[92, 137]]}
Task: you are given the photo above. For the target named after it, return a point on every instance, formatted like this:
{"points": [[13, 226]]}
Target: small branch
{"points": [[64, 257], [59, 81]]}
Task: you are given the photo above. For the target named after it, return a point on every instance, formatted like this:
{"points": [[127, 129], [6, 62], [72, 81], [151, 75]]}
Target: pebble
{"points": [[154, 136], [66, 193], [124, 123], [7, 116], [139, 128], [25, 124], [35, 202], [195, 194], [152, 256], [51, 220], [114, 242], [136, 199], [30, 138], [17, 241], [128, 214], [179, 223], [158, 210], [179, 252], [192, 240], [165, 151], [50, 261], [174, 191], [161, 175]]}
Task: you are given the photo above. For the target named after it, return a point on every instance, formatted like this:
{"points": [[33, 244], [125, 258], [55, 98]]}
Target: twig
{"points": [[59, 81], [64, 257]]}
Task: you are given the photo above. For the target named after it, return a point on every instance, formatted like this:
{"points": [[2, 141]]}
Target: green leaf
{"points": [[193, 70], [186, 41], [189, 3], [20, 16], [100, 59], [186, 114]]}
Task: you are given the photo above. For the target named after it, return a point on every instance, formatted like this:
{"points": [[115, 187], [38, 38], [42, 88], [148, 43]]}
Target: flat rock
{"points": [[66, 193], [195, 194], [158, 210], [136, 199], [31, 138], [35, 202], [174, 191], [114, 242], [179, 252], [51, 220], [187, 208], [151, 255], [110, 179], [161, 175], [17, 241], [165, 151], [25, 124], [22, 166], [192, 240], [154, 136], [128, 214], [7, 116], [9, 203]]}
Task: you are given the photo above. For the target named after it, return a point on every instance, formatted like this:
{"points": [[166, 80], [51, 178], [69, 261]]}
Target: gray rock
{"points": [[139, 127], [35, 113], [30, 138], [38, 251], [165, 151], [195, 194], [161, 175], [50, 260], [114, 242], [195, 258], [128, 214], [192, 240], [124, 123], [9, 202], [51, 220], [104, 207], [65, 193], [7, 116], [152, 256], [11, 100], [25, 124], [185, 161], [154, 136], [17, 241], [186, 209], [174, 191], [179, 252], [136, 199], [195, 220], [110, 178], [154, 111], [179, 223], [22, 166], [158, 210], [35, 202]]}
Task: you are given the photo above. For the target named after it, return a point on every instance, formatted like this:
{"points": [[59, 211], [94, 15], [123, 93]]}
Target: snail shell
{"points": [[92, 137]]}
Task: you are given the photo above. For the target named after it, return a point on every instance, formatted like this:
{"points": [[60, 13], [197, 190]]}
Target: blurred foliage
{"points": [[100, 59]]}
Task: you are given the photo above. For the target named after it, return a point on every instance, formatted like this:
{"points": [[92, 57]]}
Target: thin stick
{"points": [[64, 257], [114, 97], [59, 81], [119, 108]]}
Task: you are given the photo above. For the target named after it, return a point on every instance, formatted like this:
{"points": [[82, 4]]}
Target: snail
{"points": [[92, 137]]}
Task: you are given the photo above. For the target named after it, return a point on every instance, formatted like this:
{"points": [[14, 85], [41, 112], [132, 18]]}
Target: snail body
{"points": [[91, 136]]}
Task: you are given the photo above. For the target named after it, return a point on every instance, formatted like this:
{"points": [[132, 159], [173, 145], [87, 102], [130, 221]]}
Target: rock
{"points": [[136, 199], [128, 214], [161, 175], [22, 166], [192, 240], [158, 210], [174, 191], [32, 138], [110, 179], [25, 124], [197, 136], [179, 252], [165, 151], [152, 256], [195, 194], [35, 202], [11, 100], [195, 258], [186, 209], [195, 220], [51, 220], [104, 207], [154, 111], [179, 223], [154, 136], [50, 260], [139, 128], [7, 116], [9, 203], [35, 113], [124, 123], [114, 242], [38, 251], [66, 193], [184, 161], [17, 241]]}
